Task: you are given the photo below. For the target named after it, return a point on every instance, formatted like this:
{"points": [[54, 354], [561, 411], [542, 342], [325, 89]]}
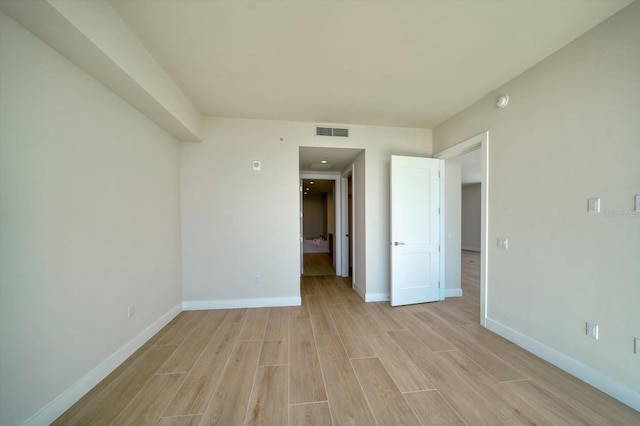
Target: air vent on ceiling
{"points": [[331, 131]]}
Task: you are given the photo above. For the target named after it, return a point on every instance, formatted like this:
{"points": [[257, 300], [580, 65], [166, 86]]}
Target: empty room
{"points": [[319, 212]]}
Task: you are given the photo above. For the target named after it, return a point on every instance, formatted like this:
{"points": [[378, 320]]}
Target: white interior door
{"points": [[415, 230]]}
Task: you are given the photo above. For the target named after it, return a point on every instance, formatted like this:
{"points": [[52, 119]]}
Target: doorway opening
{"points": [[334, 232], [318, 227], [452, 201]]}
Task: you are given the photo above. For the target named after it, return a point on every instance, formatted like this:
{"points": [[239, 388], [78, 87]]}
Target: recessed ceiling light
{"points": [[307, 189], [311, 183], [324, 161]]}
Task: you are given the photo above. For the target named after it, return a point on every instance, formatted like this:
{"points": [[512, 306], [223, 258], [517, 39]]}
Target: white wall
{"points": [[233, 232], [89, 223], [471, 217], [452, 233], [570, 132], [94, 37]]}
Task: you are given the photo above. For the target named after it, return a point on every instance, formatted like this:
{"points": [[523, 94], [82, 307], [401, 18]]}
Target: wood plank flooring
{"points": [[338, 361], [318, 264]]}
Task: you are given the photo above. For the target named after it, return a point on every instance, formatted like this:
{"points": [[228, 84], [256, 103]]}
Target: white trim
{"points": [[266, 302], [376, 297], [453, 292], [301, 229], [482, 141], [344, 185], [443, 212], [469, 248], [582, 371], [64, 401], [463, 147], [337, 200], [484, 229]]}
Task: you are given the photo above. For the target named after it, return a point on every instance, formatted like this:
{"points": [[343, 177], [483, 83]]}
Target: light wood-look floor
{"points": [[318, 264], [338, 361]]}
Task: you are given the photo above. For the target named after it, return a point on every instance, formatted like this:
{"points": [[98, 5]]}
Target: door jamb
{"points": [[301, 244], [350, 171], [479, 141]]}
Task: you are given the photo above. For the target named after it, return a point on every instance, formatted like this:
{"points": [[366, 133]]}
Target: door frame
{"points": [[481, 142], [300, 228], [344, 213], [337, 200]]}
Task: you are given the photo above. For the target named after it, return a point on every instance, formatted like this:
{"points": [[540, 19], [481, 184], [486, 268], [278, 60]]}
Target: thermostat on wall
{"points": [[256, 165]]}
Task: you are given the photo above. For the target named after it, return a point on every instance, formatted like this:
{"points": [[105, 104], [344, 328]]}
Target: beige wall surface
{"points": [[569, 133], [471, 217], [313, 210], [238, 223], [89, 223]]}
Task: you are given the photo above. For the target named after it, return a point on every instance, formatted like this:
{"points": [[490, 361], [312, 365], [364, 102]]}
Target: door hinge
{"points": [[438, 210], [300, 189], [438, 247], [300, 214], [438, 173]]}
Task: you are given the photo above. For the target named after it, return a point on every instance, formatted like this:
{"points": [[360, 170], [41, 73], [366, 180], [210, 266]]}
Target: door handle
{"points": [[398, 243]]}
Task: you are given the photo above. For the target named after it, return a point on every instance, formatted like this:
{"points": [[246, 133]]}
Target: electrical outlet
{"points": [[258, 279], [130, 311], [593, 205], [592, 330]]}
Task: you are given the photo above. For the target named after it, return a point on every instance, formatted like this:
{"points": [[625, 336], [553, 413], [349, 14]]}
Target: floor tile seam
{"points": [[366, 398]]}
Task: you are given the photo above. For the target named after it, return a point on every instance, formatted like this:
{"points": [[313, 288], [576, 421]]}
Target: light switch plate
{"points": [[503, 243], [638, 202], [594, 205], [256, 165]]}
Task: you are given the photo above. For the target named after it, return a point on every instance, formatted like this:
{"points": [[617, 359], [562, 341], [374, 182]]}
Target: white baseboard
{"points": [[64, 401], [368, 297], [576, 368], [469, 248], [266, 302], [376, 297], [359, 290], [453, 292]]}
